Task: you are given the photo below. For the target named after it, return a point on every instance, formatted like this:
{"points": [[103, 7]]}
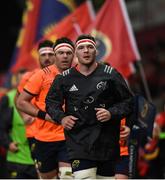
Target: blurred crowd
{"points": [[153, 64], [151, 161]]}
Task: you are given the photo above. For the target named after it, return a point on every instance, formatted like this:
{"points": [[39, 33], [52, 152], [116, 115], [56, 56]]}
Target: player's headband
{"points": [[85, 42], [45, 50], [64, 46]]}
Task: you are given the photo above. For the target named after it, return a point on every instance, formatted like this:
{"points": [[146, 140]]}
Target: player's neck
{"points": [[87, 69]]}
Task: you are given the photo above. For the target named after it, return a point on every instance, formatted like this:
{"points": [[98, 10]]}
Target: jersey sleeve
{"points": [[55, 100], [34, 84], [24, 80]]}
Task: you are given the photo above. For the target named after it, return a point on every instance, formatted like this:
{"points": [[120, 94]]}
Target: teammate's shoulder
{"points": [[27, 75], [66, 72], [106, 68], [35, 70], [49, 70]]}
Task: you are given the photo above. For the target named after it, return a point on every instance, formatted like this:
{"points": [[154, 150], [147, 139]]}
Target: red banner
{"points": [[71, 26], [113, 32]]}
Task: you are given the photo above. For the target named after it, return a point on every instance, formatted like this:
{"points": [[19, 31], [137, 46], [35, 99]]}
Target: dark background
{"points": [[11, 19], [150, 41]]}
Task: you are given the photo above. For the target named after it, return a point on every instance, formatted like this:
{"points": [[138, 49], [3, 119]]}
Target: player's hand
{"points": [[28, 119], [68, 122], [156, 131], [102, 114], [124, 132], [13, 147]]}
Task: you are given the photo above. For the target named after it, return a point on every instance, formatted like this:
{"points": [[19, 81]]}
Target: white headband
{"points": [[64, 46], [45, 50], [85, 42]]}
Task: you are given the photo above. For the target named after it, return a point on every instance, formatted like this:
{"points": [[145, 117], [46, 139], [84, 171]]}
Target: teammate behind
{"points": [[50, 141]]}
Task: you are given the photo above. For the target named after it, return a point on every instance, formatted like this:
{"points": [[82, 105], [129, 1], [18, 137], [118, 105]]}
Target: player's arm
{"points": [[55, 100], [124, 97], [54, 104], [24, 104], [32, 89]]}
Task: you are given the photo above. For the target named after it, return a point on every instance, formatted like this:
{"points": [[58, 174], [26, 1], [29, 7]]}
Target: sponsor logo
{"points": [[73, 88]]}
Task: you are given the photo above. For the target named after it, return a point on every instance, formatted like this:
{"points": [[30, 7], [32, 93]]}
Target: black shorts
{"points": [[48, 154], [104, 168], [122, 165], [32, 147], [21, 171]]}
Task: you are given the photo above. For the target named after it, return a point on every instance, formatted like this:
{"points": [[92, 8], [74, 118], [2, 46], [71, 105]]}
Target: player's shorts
{"points": [[48, 154], [122, 165], [32, 146], [20, 171], [104, 168]]}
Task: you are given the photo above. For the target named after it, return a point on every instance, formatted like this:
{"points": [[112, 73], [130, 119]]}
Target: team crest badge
{"points": [[104, 45], [75, 164]]}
